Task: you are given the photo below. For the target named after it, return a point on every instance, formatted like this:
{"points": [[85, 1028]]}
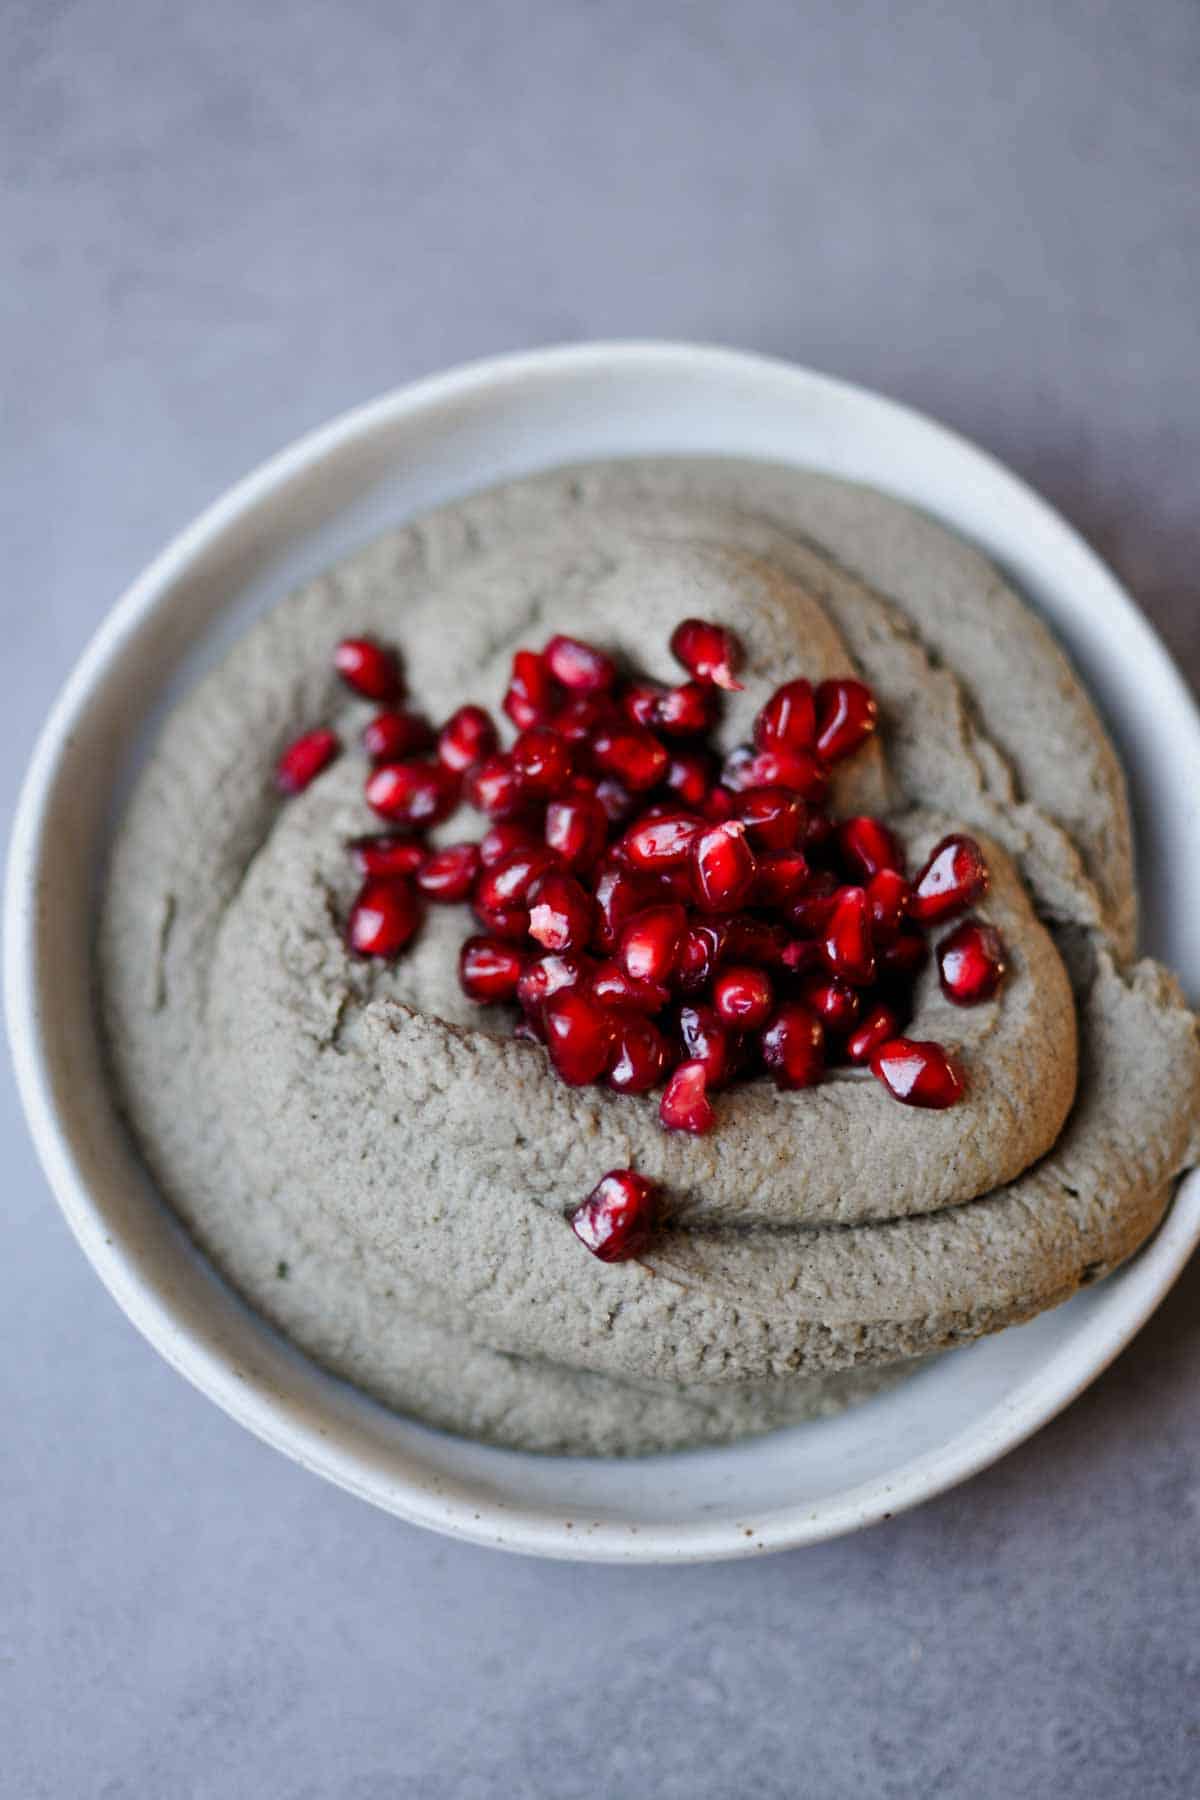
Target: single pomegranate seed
{"points": [[846, 717], [802, 956], [546, 975], [577, 828], [391, 736], [508, 883], [835, 1004], [383, 918], [648, 947], [640, 701], [542, 759], [510, 923], [580, 667], [689, 776], [450, 874], [772, 817], [799, 771], [780, 878], [494, 787], [368, 668], [561, 915], [919, 1074], [789, 719], [888, 895], [616, 1220], [706, 1040], [699, 954], [723, 866], [955, 877], [686, 711], [614, 988], [866, 846], [877, 1028], [468, 736], [674, 884], [582, 713], [793, 1046], [578, 1036], [489, 971], [848, 944], [619, 894], [632, 754], [661, 843], [905, 956], [304, 759], [972, 963], [685, 1105], [743, 997], [533, 695], [709, 653], [639, 1058], [502, 840], [413, 793], [616, 799], [812, 912], [388, 855], [719, 803], [751, 940]]}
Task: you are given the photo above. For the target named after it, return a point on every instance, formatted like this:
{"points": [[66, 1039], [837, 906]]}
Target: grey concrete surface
{"points": [[222, 224]]}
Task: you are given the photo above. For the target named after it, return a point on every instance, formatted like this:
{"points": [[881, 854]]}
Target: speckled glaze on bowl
{"points": [[303, 510]]}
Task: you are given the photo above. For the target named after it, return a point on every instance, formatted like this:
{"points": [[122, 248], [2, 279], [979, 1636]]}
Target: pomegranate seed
{"points": [[846, 717], [533, 695], [391, 736], [772, 817], [580, 667], [614, 988], [632, 754], [501, 841], [542, 759], [648, 947], [919, 1074], [834, 1003], [719, 804], [468, 736], [616, 799], [663, 842], [388, 855], [798, 771], [547, 975], [578, 1036], [413, 793], [689, 776], [686, 711], [793, 1046], [508, 883], [383, 918], [368, 668], [639, 1058], [743, 997], [640, 701], [866, 847], [450, 874], [489, 971], [510, 923], [709, 653], [685, 1105], [707, 1041], [972, 963], [848, 945], [561, 915], [780, 878], [616, 1220], [879, 1025], [304, 759], [802, 956], [812, 912], [723, 866], [619, 894], [582, 713], [751, 940], [675, 884], [493, 787], [789, 718], [955, 877], [699, 954], [577, 828], [888, 895], [905, 956]]}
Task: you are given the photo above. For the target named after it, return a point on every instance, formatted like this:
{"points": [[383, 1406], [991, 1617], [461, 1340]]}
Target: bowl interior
{"points": [[317, 501]]}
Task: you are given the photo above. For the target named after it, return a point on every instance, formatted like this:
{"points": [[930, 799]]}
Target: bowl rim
{"points": [[254, 1402]]}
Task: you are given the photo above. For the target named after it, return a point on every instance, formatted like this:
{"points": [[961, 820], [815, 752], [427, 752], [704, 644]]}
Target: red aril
{"points": [[780, 878], [797, 771], [582, 713], [542, 759], [663, 842], [533, 695], [561, 914], [833, 1001], [846, 717], [888, 895], [686, 711], [578, 1036], [368, 668], [955, 877], [448, 875], [723, 866], [972, 963], [918, 1073], [639, 702], [304, 758], [811, 913], [619, 893], [742, 997], [751, 940], [577, 829], [708, 652], [866, 846], [615, 989], [384, 917], [876, 1029], [494, 787], [789, 718], [468, 736], [772, 817], [685, 1105], [489, 971], [508, 883], [848, 944], [905, 956], [616, 1220], [689, 776], [631, 754], [388, 855], [699, 954], [639, 1057], [413, 793], [546, 975], [706, 1040], [648, 946], [616, 799], [579, 667], [502, 840], [793, 1046], [391, 736]]}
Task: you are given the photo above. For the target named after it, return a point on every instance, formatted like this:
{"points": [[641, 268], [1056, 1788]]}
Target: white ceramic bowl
{"points": [[304, 509]]}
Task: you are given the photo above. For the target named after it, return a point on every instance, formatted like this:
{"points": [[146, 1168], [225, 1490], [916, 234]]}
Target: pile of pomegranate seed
{"points": [[662, 917]]}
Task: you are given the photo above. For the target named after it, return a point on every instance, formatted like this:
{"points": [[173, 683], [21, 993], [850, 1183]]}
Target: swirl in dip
{"points": [[381, 1168]]}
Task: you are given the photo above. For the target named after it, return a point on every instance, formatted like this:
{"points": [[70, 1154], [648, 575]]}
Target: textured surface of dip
{"points": [[381, 1169]]}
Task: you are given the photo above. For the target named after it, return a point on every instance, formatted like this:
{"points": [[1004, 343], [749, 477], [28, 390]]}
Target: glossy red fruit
{"points": [[803, 956], [502, 840], [639, 702], [546, 975], [719, 803], [577, 829], [706, 1040], [630, 753], [579, 667], [905, 956], [391, 736], [616, 990], [388, 855], [508, 923], [780, 878], [542, 759], [811, 913], [508, 883], [468, 736], [846, 716], [789, 718], [888, 895], [449, 874], [579, 1036], [413, 793], [384, 917], [918, 1073], [834, 1002], [618, 803], [879, 1025], [561, 915], [674, 884], [847, 943], [617, 1219], [751, 940], [742, 997], [639, 1057], [708, 652], [955, 877], [866, 846], [368, 668], [649, 943], [797, 771], [304, 759], [793, 1046], [690, 774], [723, 866], [685, 1105], [494, 787], [533, 695], [488, 971], [663, 842], [686, 711], [582, 713], [772, 817], [699, 954], [972, 963]]}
